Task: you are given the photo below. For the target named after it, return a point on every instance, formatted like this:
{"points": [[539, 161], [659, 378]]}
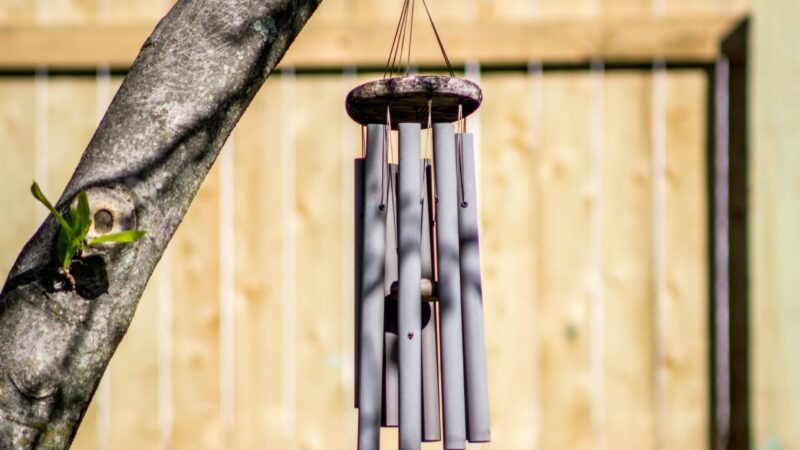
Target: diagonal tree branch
{"points": [[190, 84]]}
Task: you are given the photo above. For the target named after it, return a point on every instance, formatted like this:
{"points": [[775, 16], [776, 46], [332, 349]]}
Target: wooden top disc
{"points": [[407, 99]]}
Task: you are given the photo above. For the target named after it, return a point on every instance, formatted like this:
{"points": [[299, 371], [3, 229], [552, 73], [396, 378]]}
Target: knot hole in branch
{"points": [[103, 221]]}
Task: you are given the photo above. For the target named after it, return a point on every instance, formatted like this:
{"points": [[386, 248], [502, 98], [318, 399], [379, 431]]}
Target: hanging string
{"points": [[405, 26], [424, 178], [394, 43], [425, 153], [410, 36], [391, 189], [397, 48], [363, 141], [422, 191], [462, 129], [430, 127], [398, 61], [462, 121], [388, 131], [385, 161], [439, 40]]}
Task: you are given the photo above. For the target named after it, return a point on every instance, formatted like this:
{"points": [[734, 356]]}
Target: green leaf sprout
{"points": [[75, 226]]}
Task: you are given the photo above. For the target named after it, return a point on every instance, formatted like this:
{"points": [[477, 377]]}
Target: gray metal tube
{"points": [[477, 390], [409, 299], [390, 411], [444, 153], [372, 296], [431, 428], [358, 241]]}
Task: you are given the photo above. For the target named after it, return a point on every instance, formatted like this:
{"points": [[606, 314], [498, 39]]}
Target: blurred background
{"points": [[626, 306]]}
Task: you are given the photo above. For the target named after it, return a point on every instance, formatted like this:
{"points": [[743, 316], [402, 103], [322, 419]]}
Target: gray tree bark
{"points": [[190, 84]]}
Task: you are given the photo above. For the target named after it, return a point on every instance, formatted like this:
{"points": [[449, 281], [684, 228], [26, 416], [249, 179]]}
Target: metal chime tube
{"points": [[409, 299], [372, 293], [358, 211], [390, 411], [471, 297], [431, 429], [444, 153]]}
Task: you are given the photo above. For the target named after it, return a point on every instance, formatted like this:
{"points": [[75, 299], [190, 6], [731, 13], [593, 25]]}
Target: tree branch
{"points": [[190, 84]]}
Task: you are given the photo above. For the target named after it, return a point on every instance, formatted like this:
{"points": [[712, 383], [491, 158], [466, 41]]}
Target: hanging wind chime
{"points": [[418, 299]]}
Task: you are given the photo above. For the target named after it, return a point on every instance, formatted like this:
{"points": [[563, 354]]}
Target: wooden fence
{"points": [[594, 216]]}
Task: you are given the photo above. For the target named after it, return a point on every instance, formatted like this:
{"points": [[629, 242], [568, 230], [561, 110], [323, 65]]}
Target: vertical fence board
{"points": [[17, 11], [695, 6], [71, 121], [257, 244], [336, 11], [196, 362], [136, 11], [563, 9], [366, 10], [564, 267], [350, 148], [320, 395], [133, 374], [626, 7], [686, 298], [741, 5], [775, 222], [17, 165], [71, 11], [628, 331], [509, 242], [509, 9]]}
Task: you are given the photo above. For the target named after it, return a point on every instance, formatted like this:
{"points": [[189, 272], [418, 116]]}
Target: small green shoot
{"points": [[75, 226], [122, 236]]}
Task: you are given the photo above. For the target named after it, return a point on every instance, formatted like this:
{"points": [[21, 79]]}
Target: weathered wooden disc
{"points": [[407, 99]]}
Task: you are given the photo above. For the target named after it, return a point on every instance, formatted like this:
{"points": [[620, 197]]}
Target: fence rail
{"points": [[690, 38]]}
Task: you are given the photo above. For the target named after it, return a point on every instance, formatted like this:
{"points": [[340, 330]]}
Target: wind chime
{"points": [[418, 298]]}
